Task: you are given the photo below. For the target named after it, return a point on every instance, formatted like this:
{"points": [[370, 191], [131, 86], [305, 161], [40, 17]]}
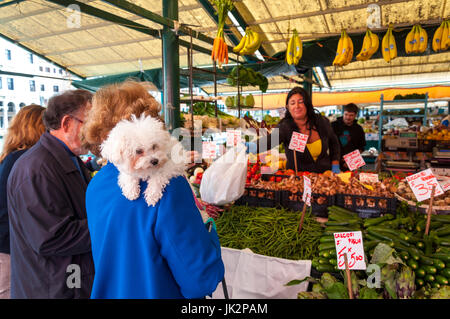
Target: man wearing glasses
{"points": [[50, 242]]}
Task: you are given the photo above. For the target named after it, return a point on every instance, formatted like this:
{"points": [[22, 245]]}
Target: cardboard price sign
{"points": [[354, 160], [368, 178], [306, 191], [298, 142], [350, 243], [233, 137], [208, 150], [422, 183]]}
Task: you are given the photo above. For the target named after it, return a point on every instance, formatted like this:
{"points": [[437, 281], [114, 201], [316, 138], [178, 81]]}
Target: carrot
{"points": [[220, 54], [226, 53], [213, 55]]}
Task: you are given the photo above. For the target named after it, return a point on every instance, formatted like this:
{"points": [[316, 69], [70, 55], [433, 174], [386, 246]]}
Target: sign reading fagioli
{"points": [[298, 142], [422, 183], [350, 243]]}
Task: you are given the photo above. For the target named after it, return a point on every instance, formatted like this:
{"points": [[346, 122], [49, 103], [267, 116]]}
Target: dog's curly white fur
{"points": [[142, 149]]}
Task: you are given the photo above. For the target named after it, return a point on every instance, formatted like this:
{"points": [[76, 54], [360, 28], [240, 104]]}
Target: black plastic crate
{"points": [[426, 145], [259, 197], [319, 202], [367, 206]]}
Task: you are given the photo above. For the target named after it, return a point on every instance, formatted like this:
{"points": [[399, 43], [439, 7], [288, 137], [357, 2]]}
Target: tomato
{"points": [[257, 176], [254, 169], [278, 179], [272, 179], [279, 173], [249, 175], [289, 172], [199, 175]]}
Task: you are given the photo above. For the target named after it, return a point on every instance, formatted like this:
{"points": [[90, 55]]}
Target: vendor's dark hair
{"points": [[351, 107], [63, 104], [312, 115]]}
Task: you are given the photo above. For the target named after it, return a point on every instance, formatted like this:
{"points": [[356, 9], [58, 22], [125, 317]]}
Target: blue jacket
{"points": [[5, 169], [144, 252]]}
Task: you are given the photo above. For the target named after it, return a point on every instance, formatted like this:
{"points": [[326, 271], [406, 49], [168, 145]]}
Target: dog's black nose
{"points": [[154, 162]]}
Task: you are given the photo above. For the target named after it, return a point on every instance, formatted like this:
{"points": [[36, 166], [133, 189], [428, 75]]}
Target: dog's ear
{"points": [[113, 149]]}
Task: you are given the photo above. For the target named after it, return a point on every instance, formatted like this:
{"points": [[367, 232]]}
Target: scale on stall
{"points": [[407, 144], [440, 163]]}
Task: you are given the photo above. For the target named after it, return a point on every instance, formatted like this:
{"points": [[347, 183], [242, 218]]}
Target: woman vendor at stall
{"points": [[322, 149]]}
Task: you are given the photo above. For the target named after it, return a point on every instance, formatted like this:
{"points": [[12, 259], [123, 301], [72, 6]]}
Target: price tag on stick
{"points": [[208, 150], [298, 142], [350, 243], [354, 160], [422, 183], [306, 198]]}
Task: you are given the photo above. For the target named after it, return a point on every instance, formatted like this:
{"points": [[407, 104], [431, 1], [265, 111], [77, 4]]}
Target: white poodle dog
{"points": [[142, 149]]}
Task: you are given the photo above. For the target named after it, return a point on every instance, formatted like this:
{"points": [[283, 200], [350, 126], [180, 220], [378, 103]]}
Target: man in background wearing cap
{"points": [[350, 134]]}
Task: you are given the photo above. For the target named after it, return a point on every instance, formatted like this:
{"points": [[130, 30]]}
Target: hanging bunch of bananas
{"points": [[388, 45], [369, 47], [441, 38], [344, 52], [294, 49], [249, 43], [416, 40]]}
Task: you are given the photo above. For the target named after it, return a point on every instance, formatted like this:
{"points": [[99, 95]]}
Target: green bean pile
{"points": [[269, 231]]}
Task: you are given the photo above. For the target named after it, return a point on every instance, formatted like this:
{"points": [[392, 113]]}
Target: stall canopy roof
{"points": [[106, 40]]}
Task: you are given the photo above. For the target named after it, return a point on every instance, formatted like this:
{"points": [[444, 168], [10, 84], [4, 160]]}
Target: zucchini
{"points": [[426, 260], [429, 278], [445, 272], [441, 280], [324, 254], [333, 261], [326, 246], [339, 229], [445, 219], [431, 270], [420, 245], [341, 210], [342, 223], [436, 285], [420, 272], [413, 264], [405, 237], [323, 261], [332, 253], [439, 264], [378, 235], [371, 244], [325, 268], [326, 239], [443, 231], [375, 221], [404, 255], [420, 282], [388, 234]]}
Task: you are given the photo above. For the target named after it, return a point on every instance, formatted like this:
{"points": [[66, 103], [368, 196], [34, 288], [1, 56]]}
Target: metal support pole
{"points": [[171, 68], [306, 84]]}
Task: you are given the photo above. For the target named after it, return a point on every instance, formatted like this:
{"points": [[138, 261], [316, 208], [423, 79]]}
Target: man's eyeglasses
{"points": [[76, 118]]}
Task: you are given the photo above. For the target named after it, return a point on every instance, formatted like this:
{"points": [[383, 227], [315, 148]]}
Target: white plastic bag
{"points": [[253, 276], [224, 181]]}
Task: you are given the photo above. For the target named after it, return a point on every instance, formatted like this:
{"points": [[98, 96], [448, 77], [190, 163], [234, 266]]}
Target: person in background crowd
{"points": [[445, 121], [351, 135], [141, 251], [50, 243], [322, 149], [24, 131]]}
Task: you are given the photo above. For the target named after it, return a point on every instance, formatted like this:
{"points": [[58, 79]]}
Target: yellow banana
{"points": [[241, 44], [423, 39], [416, 39], [256, 41], [249, 41], [374, 43], [345, 49], [349, 56], [365, 49], [445, 40], [290, 51], [409, 42], [385, 47], [392, 45], [298, 48], [339, 49], [437, 37]]}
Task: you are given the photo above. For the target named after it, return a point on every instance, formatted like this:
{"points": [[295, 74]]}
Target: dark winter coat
{"points": [[48, 224], [5, 170], [305, 162], [350, 137]]}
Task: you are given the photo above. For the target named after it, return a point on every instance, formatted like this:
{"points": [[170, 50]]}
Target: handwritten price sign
{"points": [[306, 191], [233, 138], [208, 150], [298, 142], [422, 184], [354, 160], [368, 178], [350, 243]]}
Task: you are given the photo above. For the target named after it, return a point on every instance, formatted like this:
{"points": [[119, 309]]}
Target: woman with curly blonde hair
{"points": [[25, 130], [112, 104]]}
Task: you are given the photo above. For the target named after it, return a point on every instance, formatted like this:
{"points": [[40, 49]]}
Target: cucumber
{"points": [[441, 280], [431, 270], [420, 272], [326, 239], [325, 268], [445, 272], [429, 278], [413, 264], [439, 264]]}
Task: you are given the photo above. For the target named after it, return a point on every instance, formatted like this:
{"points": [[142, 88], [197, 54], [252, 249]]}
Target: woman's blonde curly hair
{"points": [[113, 103]]}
